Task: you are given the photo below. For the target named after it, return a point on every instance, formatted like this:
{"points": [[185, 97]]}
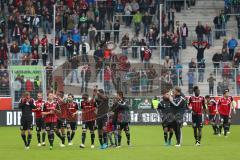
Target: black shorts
{"points": [[123, 126], [40, 124], [26, 123], [102, 122], [88, 125], [197, 120], [72, 125], [51, 126], [61, 123], [224, 119], [167, 125]]}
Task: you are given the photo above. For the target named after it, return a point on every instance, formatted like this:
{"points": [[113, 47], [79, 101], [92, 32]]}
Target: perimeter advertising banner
{"points": [[138, 117]]}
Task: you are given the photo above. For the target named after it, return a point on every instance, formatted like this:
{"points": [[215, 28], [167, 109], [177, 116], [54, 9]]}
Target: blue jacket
{"points": [[233, 43], [25, 48], [76, 38], [64, 38]]}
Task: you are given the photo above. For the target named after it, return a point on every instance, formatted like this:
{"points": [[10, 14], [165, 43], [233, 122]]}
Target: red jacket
{"points": [[107, 75], [3, 54], [224, 106]]}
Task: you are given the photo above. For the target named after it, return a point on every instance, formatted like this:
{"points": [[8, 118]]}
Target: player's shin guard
{"points": [[195, 133], [105, 138], [110, 138], [69, 136], [220, 129], [43, 137], [63, 138], [72, 135], [51, 138], [170, 136], [100, 138], [165, 137], [128, 138], [83, 137], [24, 139], [29, 138], [39, 137], [199, 134], [119, 139], [58, 134], [92, 138], [116, 138], [225, 127]]}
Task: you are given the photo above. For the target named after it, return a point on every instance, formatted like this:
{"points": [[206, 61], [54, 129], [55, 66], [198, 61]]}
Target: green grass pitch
{"points": [[147, 144]]}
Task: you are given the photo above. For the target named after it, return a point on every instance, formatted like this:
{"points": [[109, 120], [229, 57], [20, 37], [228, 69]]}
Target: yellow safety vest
{"points": [[155, 103]]}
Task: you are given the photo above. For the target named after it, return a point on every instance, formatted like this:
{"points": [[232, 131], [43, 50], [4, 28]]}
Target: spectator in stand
{"points": [[74, 65], [135, 42], [146, 57], [225, 55], [223, 23], [167, 62], [3, 56], [46, 21], [200, 47], [192, 65], [69, 44], [35, 57], [14, 50], [17, 34], [107, 55], [108, 27], [201, 70], [99, 26], [238, 83], [175, 50], [125, 44], [137, 19], [98, 57], [191, 80], [76, 37], [36, 24], [11, 25], [128, 12], [211, 81], [179, 69], [107, 79], [116, 28], [218, 25], [35, 43], [147, 20], [44, 44], [25, 51], [200, 32], [92, 32], [216, 59], [236, 58], [184, 35], [208, 34], [84, 31], [171, 19], [232, 44]]}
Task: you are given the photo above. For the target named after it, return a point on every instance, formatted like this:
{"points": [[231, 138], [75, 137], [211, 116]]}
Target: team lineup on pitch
{"points": [[58, 116]]}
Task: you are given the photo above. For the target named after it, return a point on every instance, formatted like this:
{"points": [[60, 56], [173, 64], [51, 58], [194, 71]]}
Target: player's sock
{"points": [[59, 135], [119, 140], [165, 137], [24, 139], [51, 139], [43, 136], [29, 138], [110, 138], [63, 138], [69, 136], [170, 136], [116, 138], [83, 137], [39, 137], [92, 138], [72, 135], [214, 129], [195, 133], [128, 138], [199, 134], [100, 138], [220, 129], [105, 138]]}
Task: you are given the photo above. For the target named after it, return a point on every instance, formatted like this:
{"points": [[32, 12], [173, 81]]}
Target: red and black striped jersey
{"points": [[212, 107], [224, 105], [63, 106], [197, 104], [39, 108], [48, 107], [72, 107], [88, 110]]}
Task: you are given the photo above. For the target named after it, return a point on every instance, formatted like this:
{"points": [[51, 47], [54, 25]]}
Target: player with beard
{"points": [[50, 111], [72, 115], [212, 113], [166, 110], [102, 109], [197, 105], [225, 106], [88, 119], [61, 123], [121, 111], [40, 124], [179, 106], [26, 104]]}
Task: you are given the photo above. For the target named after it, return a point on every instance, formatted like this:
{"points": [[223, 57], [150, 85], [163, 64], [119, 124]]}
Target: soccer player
{"points": [[26, 104], [88, 119], [50, 111], [102, 108], [61, 122], [72, 111], [167, 116], [197, 105], [40, 124], [225, 105], [212, 111], [122, 111], [178, 102]]}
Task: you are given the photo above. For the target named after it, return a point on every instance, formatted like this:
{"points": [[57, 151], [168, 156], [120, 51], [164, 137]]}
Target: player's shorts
{"points": [[61, 123], [50, 126], [224, 119], [26, 123], [123, 126], [167, 125], [197, 121], [88, 125], [102, 122], [40, 124], [72, 125]]}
